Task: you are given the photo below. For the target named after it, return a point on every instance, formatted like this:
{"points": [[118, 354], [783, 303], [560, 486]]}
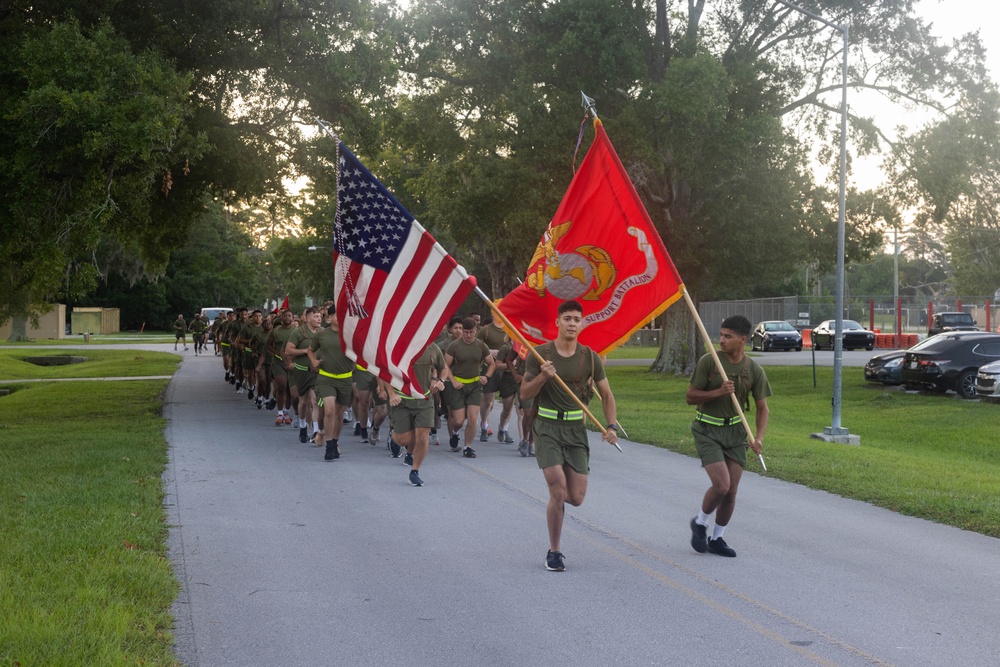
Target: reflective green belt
{"points": [[716, 421], [278, 357], [562, 415], [335, 376], [360, 367], [466, 380], [414, 398], [226, 345], [300, 367]]}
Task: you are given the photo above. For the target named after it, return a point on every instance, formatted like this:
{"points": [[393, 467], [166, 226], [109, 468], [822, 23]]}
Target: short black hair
{"points": [[737, 323], [457, 319], [567, 306], [468, 324]]}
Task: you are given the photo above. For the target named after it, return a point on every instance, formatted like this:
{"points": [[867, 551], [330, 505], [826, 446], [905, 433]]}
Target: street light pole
{"points": [[835, 432]]}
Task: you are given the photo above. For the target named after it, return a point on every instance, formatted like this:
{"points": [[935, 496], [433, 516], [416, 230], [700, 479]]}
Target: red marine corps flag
{"points": [[600, 249]]}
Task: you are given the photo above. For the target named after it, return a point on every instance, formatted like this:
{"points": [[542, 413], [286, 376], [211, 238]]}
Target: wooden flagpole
{"points": [[709, 343], [521, 339]]}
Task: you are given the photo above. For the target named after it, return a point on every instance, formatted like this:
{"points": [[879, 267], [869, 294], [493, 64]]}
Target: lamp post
{"points": [[835, 432]]}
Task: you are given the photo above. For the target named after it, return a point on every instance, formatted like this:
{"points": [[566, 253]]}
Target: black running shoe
{"points": [[227, 376], [469, 453], [415, 479], [483, 437], [408, 459], [554, 561], [332, 452], [357, 428], [394, 449], [270, 403], [303, 436], [260, 402], [453, 441], [699, 537], [719, 546]]}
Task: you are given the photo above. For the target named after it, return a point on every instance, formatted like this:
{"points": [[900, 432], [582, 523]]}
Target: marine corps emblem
{"points": [[584, 273]]}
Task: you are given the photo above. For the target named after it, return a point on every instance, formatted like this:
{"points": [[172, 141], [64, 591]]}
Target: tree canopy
{"points": [[124, 122]]}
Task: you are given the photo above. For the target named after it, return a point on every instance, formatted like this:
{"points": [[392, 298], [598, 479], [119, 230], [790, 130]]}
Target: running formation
{"points": [[295, 364]]}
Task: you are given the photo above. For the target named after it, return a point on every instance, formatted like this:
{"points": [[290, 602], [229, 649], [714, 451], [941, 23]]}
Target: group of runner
{"points": [[297, 365]]}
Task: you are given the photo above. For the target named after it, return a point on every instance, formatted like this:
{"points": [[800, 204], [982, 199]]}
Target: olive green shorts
{"points": [[227, 349], [508, 386], [493, 384], [339, 390], [717, 443], [278, 369], [304, 380], [459, 399], [364, 380], [562, 443], [412, 413]]}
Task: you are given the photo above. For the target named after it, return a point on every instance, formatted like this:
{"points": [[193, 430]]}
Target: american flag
{"points": [[396, 286]]}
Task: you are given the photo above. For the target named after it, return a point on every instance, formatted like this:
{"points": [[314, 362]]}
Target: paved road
{"points": [[287, 560]]}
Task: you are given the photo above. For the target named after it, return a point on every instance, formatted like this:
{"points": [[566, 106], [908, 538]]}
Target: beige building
{"points": [[50, 325]]}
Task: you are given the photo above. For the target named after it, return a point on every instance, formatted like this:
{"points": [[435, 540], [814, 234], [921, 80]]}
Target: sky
{"points": [[950, 19]]}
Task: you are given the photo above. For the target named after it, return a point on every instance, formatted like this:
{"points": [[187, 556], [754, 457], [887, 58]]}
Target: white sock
{"points": [[701, 519], [315, 426], [303, 423], [717, 531], [281, 413]]}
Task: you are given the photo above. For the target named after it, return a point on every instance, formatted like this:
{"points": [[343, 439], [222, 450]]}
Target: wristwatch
{"points": [[613, 427]]}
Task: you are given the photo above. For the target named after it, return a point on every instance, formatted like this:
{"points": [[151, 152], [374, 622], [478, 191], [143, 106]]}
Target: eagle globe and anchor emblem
{"points": [[585, 273]]}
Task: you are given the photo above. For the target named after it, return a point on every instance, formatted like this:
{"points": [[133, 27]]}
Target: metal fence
{"points": [[877, 312], [806, 312]]}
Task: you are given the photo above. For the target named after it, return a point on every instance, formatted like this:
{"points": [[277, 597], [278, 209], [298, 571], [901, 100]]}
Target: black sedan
{"points": [[775, 335], [950, 361], [885, 367], [854, 335]]}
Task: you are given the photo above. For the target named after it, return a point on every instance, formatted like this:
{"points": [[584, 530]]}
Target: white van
{"points": [[212, 313]]}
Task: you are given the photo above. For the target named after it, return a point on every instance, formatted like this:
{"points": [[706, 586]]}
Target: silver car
{"points": [[988, 381]]}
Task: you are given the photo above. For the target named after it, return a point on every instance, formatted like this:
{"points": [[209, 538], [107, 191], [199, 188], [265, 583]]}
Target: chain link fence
{"points": [[877, 312]]}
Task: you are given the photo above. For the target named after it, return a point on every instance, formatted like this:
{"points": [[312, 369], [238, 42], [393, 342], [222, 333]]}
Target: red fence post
{"points": [[930, 313], [871, 314], [959, 309]]}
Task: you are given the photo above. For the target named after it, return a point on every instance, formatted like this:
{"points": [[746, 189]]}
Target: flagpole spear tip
{"points": [[588, 103]]}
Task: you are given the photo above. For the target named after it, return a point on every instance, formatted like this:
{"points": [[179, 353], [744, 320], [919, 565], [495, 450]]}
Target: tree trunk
{"points": [[18, 329], [680, 344]]}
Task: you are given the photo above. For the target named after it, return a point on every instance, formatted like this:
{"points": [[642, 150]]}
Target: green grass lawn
{"points": [[933, 457], [98, 339], [84, 577], [634, 352], [100, 363]]}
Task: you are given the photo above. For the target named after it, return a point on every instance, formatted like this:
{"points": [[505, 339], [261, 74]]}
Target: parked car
{"points": [[211, 314], [885, 367], [988, 381], [944, 322], [855, 335], [775, 335], [950, 361]]}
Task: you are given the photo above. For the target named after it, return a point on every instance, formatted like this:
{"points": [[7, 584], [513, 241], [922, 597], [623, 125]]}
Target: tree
{"points": [[217, 266], [89, 128], [209, 97]]}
